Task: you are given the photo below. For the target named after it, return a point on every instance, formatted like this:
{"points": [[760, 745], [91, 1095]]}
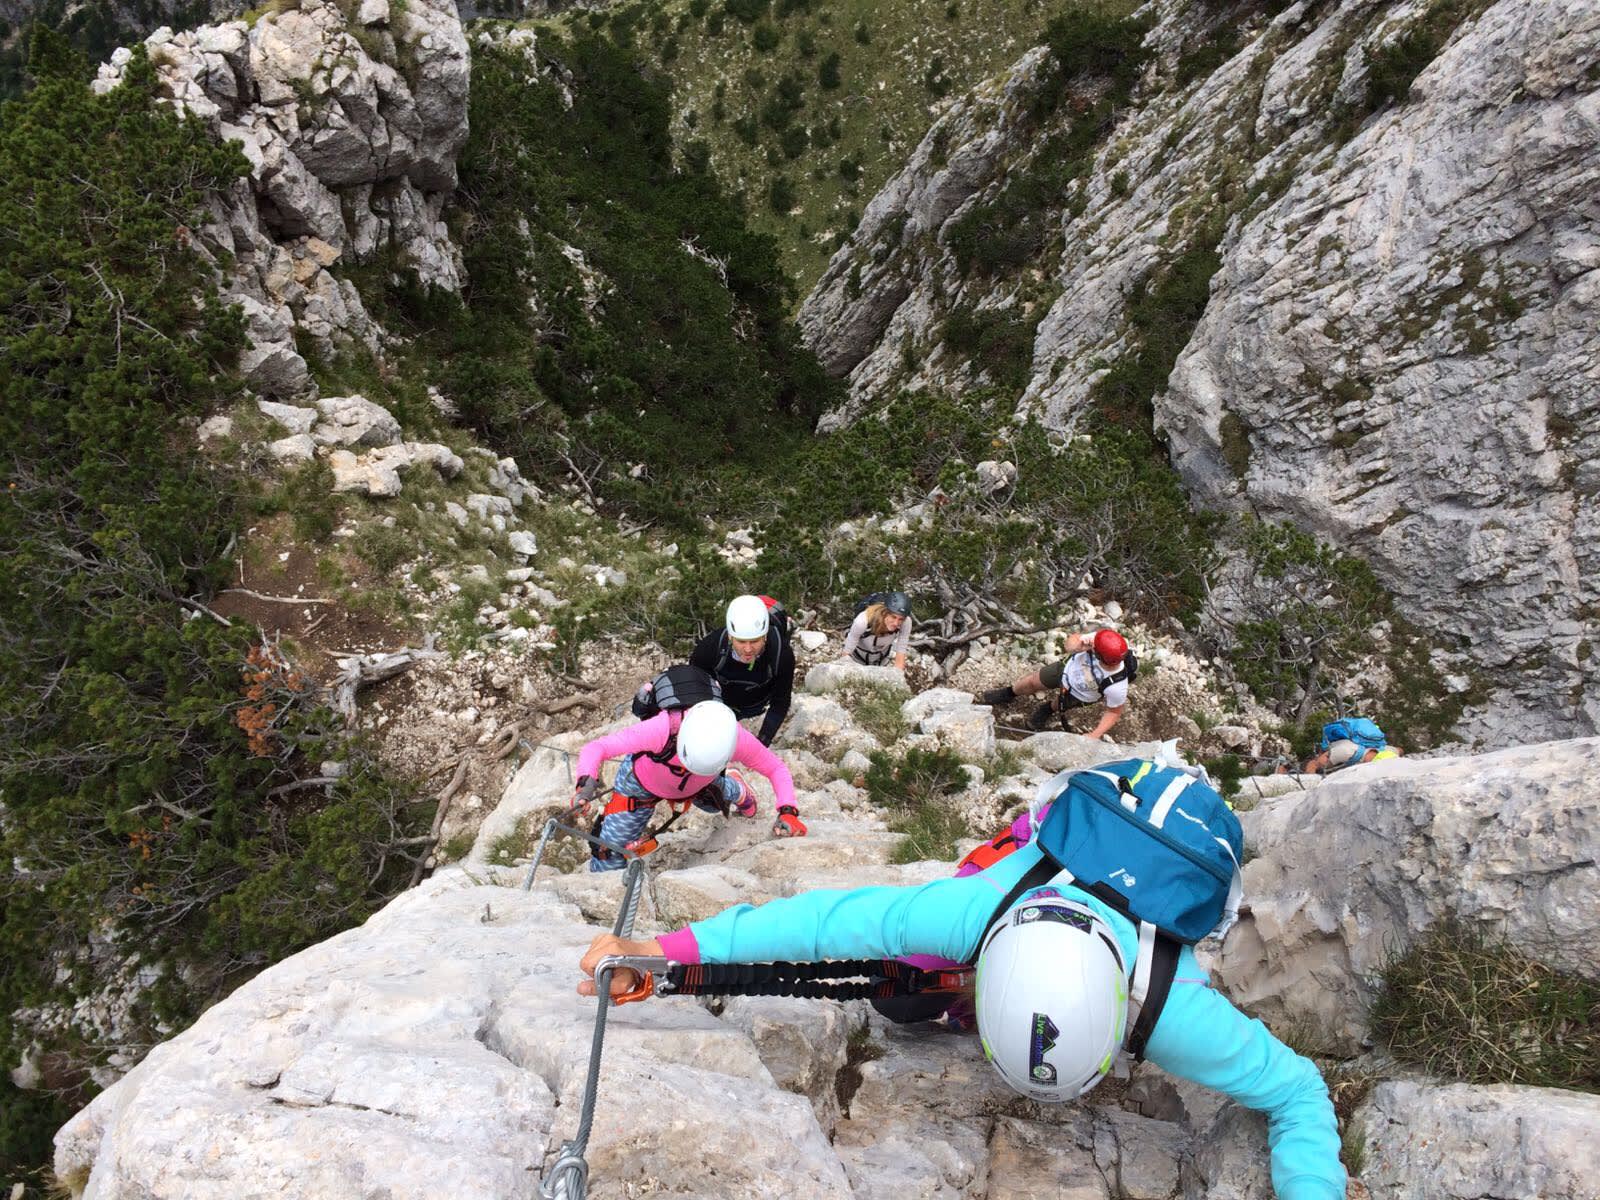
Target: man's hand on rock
{"points": [[606, 945]]}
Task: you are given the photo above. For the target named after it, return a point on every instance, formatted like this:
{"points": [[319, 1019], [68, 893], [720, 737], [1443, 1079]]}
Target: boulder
{"points": [[812, 639], [968, 731], [1230, 1159], [292, 417], [695, 893], [845, 674], [823, 726], [215, 429], [1352, 872], [1463, 1142], [1045, 1162], [354, 421], [524, 545], [993, 477], [912, 1154], [1057, 751], [933, 700], [431, 454], [297, 448], [801, 1042]]}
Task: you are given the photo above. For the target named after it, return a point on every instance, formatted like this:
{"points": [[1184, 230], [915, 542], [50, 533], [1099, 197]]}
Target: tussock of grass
{"points": [[877, 710], [1462, 1005], [917, 787]]}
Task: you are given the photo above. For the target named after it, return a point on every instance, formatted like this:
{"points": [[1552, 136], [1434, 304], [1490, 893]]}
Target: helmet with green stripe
{"points": [[1052, 998]]}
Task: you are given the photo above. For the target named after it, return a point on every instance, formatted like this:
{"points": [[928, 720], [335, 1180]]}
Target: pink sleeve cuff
{"points": [[680, 945]]}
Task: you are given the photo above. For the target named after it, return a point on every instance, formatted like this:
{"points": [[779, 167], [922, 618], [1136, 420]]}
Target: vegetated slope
{"points": [[804, 107], [157, 842], [1378, 278]]}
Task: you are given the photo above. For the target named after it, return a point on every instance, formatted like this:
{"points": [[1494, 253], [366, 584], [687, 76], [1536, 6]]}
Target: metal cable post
{"points": [[554, 824]]}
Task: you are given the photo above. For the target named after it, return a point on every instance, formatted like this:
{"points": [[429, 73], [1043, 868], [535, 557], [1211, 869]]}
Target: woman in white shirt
{"points": [[881, 629]]}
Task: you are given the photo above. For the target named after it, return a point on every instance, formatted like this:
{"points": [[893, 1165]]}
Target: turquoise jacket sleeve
{"points": [[1200, 1035], [1203, 1037]]}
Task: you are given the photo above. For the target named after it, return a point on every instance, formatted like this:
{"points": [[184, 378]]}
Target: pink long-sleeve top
{"points": [[648, 737]]}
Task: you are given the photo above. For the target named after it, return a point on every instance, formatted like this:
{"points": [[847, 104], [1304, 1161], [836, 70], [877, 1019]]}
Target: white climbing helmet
{"points": [[1344, 753], [747, 618], [707, 737], [1052, 998]]}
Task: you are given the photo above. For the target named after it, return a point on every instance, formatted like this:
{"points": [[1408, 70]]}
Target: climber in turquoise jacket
{"points": [[1199, 1034]]}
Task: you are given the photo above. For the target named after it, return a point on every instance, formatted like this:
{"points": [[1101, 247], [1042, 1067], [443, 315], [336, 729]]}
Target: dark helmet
{"points": [[898, 603]]}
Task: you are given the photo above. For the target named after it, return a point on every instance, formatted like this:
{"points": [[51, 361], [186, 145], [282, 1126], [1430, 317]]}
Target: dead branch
{"points": [[560, 706], [239, 591], [362, 670], [445, 796]]}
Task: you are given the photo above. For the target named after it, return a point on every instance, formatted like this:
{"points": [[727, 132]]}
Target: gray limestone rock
{"points": [[845, 674], [1344, 876], [355, 421], [1397, 355], [1461, 1142]]}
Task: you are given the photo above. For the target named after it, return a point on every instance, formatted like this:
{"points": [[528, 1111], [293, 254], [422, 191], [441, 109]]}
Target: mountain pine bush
{"points": [[149, 810]]}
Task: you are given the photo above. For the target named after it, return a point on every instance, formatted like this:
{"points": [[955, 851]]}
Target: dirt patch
{"points": [[280, 587]]}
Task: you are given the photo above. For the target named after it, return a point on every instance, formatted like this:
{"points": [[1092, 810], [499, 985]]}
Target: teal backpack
{"points": [[1359, 730], [1157, 843]]}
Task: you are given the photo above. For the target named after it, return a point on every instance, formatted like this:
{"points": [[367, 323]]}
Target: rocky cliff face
{"points": [[351, 118], [1395, 353], [440, 1050]]}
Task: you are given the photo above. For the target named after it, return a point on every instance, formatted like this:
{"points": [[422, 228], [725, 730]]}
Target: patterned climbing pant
{"points": [[623, 827]]}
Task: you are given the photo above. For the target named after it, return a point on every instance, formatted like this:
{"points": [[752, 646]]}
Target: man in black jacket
{"points": [[753, 661]]}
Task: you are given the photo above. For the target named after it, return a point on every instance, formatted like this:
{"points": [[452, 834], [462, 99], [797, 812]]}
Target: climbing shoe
{"points": [[999, 695], [746, 807], [1041, 717]]}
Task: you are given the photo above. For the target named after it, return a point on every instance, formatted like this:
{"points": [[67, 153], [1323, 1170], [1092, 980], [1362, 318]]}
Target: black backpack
{"points": [[677, 689], [1129, 670], [778, 617]]}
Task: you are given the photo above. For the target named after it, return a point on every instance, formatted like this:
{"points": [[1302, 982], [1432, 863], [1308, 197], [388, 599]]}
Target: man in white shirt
{"points": [[1097, 670]]}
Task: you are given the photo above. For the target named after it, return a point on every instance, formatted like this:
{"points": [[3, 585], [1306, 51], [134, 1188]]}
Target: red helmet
{"points": [[1110, 646]]}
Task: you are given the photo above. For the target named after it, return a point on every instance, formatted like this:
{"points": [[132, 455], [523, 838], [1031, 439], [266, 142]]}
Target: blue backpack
{"points": [[1359, 730], [1159, 844]]}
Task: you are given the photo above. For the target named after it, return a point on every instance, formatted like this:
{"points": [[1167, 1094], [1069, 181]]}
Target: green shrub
{"points": [[383, 547], [1163, 310], [828, 71], [1088, 45], [781, 196], [687, 363], [765, 37], [917, 787], [794, 141], [915, 778], [1000, 343], [1200, 62], [748, 12], [1466, 1006], [1393, 67], [863, 35], [138, 744]]}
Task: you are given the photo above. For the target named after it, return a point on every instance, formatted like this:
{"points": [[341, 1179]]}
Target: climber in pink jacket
{"points": [[681, 757]]}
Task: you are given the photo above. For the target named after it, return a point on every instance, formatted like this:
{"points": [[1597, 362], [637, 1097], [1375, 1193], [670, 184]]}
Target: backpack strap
{"points": [[1153, 971], [1041, 873], [669, 749], [1153, 974]]}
